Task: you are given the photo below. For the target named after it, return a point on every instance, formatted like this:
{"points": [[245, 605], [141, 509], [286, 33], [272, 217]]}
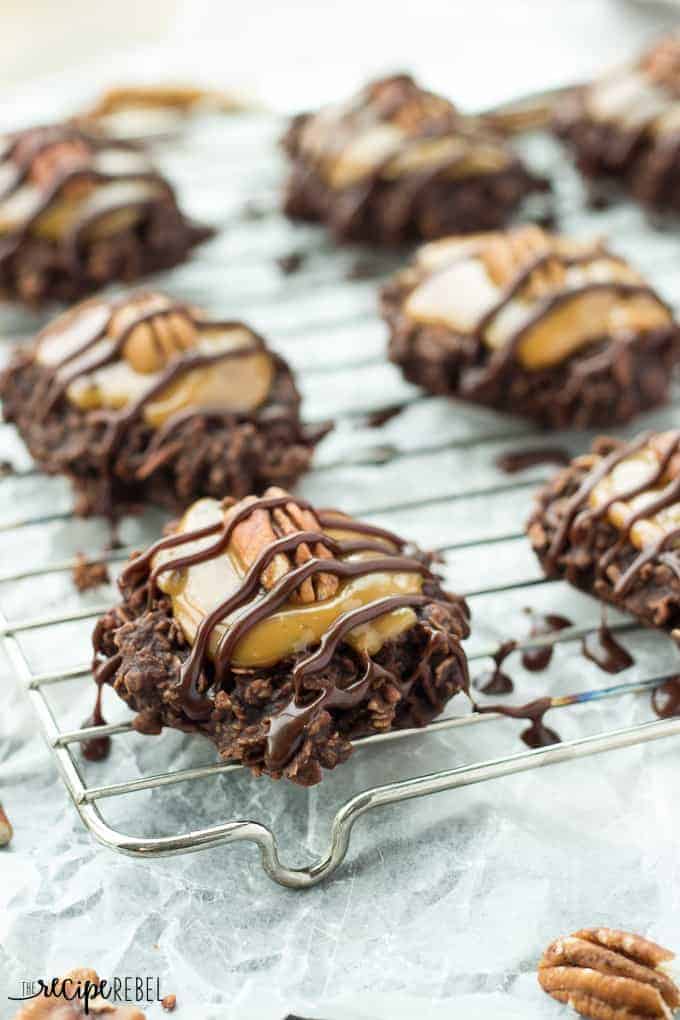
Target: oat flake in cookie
{"points": [[142, 398], [561, 331], [610, 524], [397, 163], [78, 212], [625, 126], [281, 633]]}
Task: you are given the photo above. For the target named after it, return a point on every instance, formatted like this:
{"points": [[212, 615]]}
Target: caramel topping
{"points": [[640, 479], [117, 356], [198, 589], [536, 296]]}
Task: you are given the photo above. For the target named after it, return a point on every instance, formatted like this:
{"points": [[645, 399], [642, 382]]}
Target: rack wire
{"points": [[323, 320]]}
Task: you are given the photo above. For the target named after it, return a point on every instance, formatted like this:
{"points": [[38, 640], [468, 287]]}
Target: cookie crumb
{"points": [[291, 262], [169, 1002], [87, 574]]}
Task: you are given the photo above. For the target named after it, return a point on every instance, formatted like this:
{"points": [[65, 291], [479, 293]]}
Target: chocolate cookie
{"points": [[397, 163], [610, 524], [142, 398], [79, 211], [624, 127], [561, 331], [281, 633]]}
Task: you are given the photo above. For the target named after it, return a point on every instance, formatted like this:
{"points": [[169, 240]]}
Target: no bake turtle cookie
{"points": [[397, 163], [281, 632], [561, 331], [142, 398], [79, 211]]}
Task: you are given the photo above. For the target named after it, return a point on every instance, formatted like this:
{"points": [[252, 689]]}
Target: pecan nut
{"points": [[6, 831], [155, 341], [55, 161], [661, 63], [506, 255], [607, 974], [262, 527]]}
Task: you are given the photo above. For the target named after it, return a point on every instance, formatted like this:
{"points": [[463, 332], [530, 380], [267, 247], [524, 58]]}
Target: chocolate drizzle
{"points": [[98, 748], [539, 658], [602, 648], [496, 681], [577, 517], [513, 461], [537, 734], [312, 693]]}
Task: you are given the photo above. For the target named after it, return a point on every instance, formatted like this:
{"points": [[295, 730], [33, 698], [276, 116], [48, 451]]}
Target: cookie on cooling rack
{"points": [[281, 633], [146, 112], [624, 127], [397, 163], [142, 398], [561, 331], [78, 212], [610, 524]]}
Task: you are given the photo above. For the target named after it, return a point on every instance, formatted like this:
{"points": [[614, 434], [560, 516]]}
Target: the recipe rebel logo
{"points": [[89, 993]]}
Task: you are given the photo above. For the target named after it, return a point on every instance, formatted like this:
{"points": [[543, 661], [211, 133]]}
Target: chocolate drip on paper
{"points": [[496, 681], [513, 461], [48, 138], [602, 648], [537, 734], [539, 658]]}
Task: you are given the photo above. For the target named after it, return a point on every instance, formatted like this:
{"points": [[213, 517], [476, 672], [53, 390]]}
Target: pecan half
{"points": [[6, 831], [662, 63], [154, 342], [262, 527], [607, 974], [506, 255]]}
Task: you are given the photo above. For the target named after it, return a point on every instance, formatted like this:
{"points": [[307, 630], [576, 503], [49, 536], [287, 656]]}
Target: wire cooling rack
{"points": [[429, 471]]}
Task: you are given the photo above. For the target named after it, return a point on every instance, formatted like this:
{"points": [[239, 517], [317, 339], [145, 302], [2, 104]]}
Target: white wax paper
{"points": [[444, 904]]}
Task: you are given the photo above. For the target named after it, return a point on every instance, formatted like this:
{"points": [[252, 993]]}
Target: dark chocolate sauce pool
{"points": [[291, 262], [537, 734], [514, 461], [383, 415], [496, 681], [536, 659], [602, 648]]}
